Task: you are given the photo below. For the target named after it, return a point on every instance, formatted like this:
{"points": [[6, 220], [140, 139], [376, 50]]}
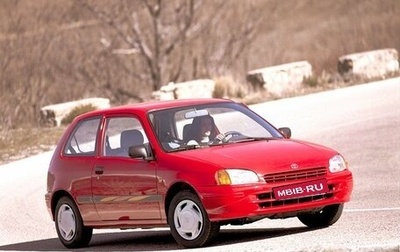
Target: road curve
{"points": [[362, 122]]}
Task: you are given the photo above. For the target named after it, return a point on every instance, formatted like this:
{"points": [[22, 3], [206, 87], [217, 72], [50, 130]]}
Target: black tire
{"points": [[189, 222], [69, 225], [323, 218]]}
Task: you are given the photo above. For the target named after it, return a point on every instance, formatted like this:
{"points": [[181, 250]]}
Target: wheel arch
{"points": [[173, 190], [55, 198]]}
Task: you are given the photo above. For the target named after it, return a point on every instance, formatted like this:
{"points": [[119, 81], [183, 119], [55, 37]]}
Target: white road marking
{"points": [[373, 209]]}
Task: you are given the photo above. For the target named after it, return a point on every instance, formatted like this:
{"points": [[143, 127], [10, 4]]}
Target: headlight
{"points": [[236, 177], [337, 164]]}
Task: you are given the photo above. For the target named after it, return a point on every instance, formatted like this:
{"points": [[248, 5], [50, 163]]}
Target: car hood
{"points": [[263, 156]]}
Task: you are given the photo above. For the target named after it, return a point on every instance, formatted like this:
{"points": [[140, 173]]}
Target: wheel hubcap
{"points": [[188, 220], [66, 222]]}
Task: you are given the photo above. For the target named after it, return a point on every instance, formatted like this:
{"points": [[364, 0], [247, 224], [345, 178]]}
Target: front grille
{"points": [[295, 175], [267, 200]]}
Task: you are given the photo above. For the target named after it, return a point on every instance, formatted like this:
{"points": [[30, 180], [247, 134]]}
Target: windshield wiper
{"points": [[242, 139], [250, 139], [186, 147]]}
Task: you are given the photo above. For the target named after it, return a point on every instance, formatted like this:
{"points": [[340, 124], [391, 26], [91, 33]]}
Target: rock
{"points": [[370, 64], [202, 88], [52, 115], [280, 79]]}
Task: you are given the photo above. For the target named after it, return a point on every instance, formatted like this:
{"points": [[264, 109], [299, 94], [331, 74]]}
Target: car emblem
{"points": [[294, 166]]}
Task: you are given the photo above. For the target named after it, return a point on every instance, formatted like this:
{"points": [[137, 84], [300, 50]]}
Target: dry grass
{"points": [[20, 143]]}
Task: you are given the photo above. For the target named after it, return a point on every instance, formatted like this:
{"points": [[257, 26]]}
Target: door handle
{"points": [[99, 170]]}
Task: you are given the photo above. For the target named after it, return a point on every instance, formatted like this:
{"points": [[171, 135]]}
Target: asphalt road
{"points": [[362, 122]]}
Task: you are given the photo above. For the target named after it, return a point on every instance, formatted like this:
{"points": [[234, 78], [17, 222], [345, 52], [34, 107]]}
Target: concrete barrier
{"points": [[52, 115], [370, 64], [202, 88], [280, 79]]}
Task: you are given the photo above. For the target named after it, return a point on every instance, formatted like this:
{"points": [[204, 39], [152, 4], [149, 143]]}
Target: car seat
{"points": [[130, 138]]}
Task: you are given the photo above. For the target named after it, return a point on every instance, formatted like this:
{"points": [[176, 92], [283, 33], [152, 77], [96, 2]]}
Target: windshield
{"points": [[185, 128]]}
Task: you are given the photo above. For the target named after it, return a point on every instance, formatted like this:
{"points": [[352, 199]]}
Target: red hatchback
{"points": [[193, 165]]}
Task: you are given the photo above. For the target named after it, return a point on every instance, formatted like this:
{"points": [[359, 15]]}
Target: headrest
{"points": [[131, 137]]}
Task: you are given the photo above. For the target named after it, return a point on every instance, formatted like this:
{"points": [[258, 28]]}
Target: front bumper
{"points": [[253, 201]]}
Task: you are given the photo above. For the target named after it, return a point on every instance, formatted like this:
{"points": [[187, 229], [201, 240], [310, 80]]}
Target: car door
{"points": [[124, 188]]}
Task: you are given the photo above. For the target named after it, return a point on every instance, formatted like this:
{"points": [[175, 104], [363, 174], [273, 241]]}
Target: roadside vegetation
{"points": [[55, 51]]}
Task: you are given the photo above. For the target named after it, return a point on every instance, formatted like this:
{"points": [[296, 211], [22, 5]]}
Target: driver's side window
{"points": [[122, 133]]}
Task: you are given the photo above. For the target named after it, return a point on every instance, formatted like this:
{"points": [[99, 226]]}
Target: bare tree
{"points": [[230, 33], [57, 51], [143, 45], [154, 31], [23, 81]]}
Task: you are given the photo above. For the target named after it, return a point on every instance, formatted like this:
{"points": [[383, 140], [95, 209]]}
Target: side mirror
{"points": [[140, 151], [286, 132]]}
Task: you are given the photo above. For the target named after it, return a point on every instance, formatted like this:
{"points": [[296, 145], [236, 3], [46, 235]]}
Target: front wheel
{"points": [[189, 222], [325, 217], [69, 225]]}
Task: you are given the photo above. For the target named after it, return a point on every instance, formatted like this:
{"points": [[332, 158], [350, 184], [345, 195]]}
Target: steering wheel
{"points": [[231, 133], [172, 139]]}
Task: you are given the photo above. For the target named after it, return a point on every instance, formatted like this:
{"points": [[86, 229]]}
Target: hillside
{"points": [[54, 51]]}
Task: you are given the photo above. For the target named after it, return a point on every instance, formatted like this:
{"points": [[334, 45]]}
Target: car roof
{"points": [[145, 107], [157, 105]]}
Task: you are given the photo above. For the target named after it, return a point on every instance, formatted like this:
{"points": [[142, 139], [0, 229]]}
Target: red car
{"points": [[193, 165]]}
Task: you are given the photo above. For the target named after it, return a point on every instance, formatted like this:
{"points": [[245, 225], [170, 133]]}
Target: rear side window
{"points": [[83, 139]]}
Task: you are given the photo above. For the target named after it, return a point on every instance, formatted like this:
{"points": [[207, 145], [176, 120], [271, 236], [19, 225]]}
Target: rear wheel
{"points": [[323, 218], [69, 225], [189, 222]]}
